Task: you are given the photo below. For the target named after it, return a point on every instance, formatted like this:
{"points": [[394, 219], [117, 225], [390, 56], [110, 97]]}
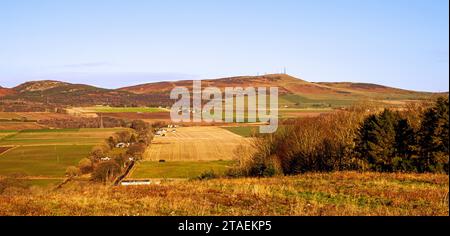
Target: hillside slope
{"points": [[67, 94], [294, 92], [6, 91], [240, 81]]}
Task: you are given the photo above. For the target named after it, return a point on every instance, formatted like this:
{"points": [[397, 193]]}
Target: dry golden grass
{"points": [[342, 193], [194, 144]]}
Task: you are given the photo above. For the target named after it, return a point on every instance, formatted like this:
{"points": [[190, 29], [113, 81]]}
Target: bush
{"points": [[106, 171], [136, 150], [85, 166], [310, 144], [72, 171], [99, 152], [210, 174], [123, 136]]}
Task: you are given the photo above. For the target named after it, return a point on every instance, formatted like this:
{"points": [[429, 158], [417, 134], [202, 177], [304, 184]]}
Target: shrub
{"points": [[123, 136], [72, 171], [210, 174], [106, 171], [99, 152], [85, 166], [136, 150]]}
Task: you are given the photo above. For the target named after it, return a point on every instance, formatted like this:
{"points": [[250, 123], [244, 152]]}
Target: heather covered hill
{"points": [[5, 91], [276, 80], [286, 83], [35, 86], [67, 94], [293, 92]]}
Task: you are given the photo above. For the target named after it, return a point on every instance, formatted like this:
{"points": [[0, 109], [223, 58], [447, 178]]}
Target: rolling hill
{"points": [[293, 92], [6, 91], [241, 81], [64, 93], [287, 85], [46, 94], [296, 92]]}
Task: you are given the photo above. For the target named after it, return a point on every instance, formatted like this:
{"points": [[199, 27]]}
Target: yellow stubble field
{"points": [[195, 144]]}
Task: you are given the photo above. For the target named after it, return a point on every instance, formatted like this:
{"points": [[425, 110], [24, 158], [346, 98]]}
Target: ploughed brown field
{"points": [[20, 125], [4, 149], [148, 117], [33, 115]]}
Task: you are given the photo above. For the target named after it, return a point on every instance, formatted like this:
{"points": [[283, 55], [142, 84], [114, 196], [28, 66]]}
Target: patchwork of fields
{"points": [[148, 114], [26, 120]]}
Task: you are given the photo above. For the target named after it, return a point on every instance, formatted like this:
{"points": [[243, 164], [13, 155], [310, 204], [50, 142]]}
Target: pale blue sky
{"points": [[112, 43]]}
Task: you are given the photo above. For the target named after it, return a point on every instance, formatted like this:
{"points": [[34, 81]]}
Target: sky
{"points": [[115, 43]]}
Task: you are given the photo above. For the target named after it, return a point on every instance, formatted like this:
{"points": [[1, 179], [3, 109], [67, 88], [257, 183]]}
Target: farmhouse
{"points": [[121, 145], [161, 132]]}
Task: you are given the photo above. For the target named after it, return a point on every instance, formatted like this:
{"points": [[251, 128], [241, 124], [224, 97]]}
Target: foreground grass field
{"points": [[343, 193], [180, 169]]}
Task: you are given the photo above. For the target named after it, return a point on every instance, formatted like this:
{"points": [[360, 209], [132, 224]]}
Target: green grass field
{"points": [[100, 109], [6, 133], [180, 169], [298, 101], [48, 153], [59, 137], [48, 161], [42, 182], [244, 131]]}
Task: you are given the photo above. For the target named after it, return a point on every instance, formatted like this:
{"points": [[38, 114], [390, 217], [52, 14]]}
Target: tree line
{"points": [[413, 139], [106, 161]]}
